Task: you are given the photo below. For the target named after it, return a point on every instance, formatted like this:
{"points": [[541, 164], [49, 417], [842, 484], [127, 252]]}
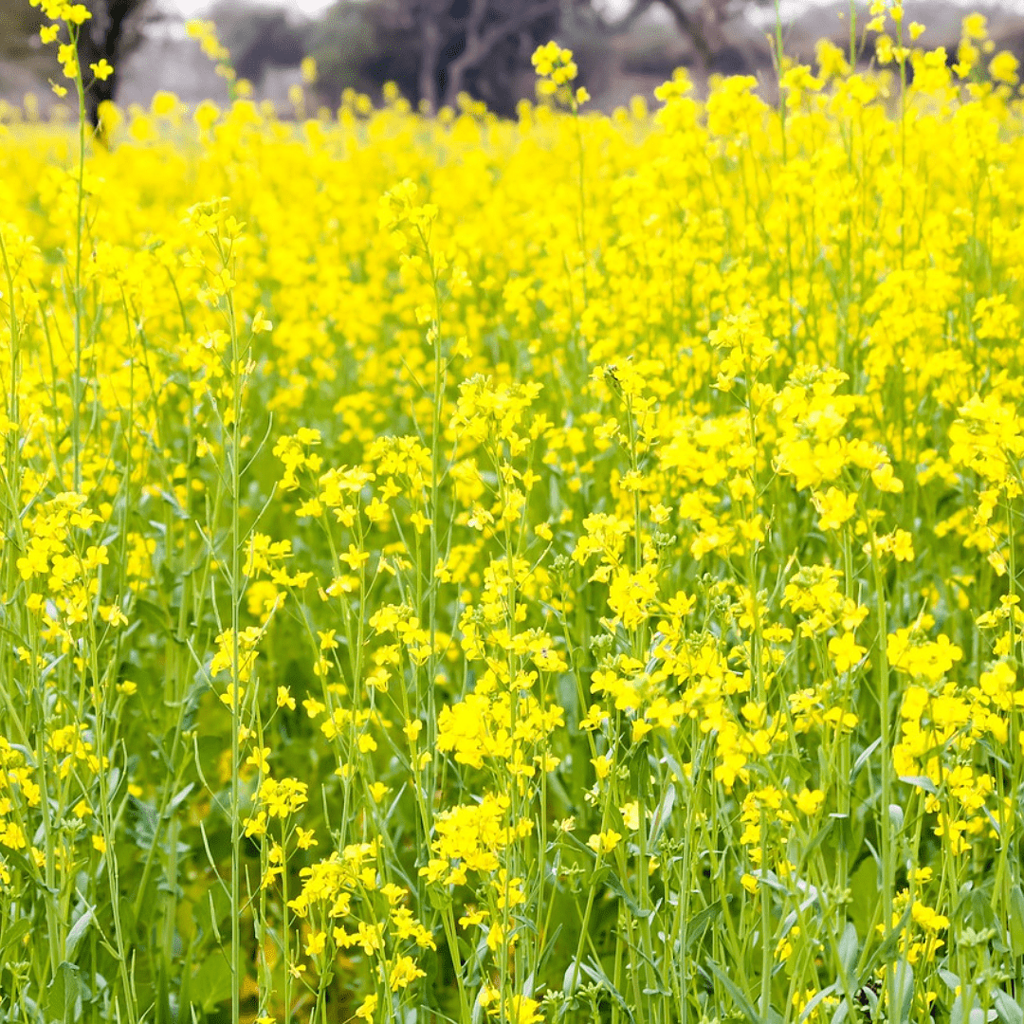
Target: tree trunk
{"points": [[429, 87], [100, 39], [703, 28]]}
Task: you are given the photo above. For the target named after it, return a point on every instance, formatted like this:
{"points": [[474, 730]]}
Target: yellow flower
{"points": [[102, 69], [1004, 67], [835, 507], [315, 943], [403, 972], [76, 14], [846, 653], [163, 103], [604, 842], [367, 1008], [974, 26], [523, 1010], [260, 324], [305, 838], [112, 614], [809, 801]]}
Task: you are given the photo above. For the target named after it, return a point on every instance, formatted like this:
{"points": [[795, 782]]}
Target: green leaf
{"points": [[862, 760], [616, 885], [662, 813], [14, 934], [596, 973], [981, 912], [179, 797], [921, 781], [903, 987], [1009, 1011], [1017, 921], [152, 614], [439, 898], [741, 1001], [896, 816], [888, 950], [842, 1012], [864, 890], [63, 995], [810, 1007], [820, 836], [211, 984], [849, 947], [77, 933], [699, 922], [212, 909]]}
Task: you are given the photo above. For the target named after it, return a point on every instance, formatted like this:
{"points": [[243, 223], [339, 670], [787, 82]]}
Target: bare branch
{"points": [[475, 20], [479, 46], [511, 26], [702, 27], [429, 86], [458, 67]]}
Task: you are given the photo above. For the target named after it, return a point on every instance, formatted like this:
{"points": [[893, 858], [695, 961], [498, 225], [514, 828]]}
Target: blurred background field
{"points": [[434, 49]]}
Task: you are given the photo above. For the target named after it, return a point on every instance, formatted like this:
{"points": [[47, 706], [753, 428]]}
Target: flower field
{"points": [[564, 570]]}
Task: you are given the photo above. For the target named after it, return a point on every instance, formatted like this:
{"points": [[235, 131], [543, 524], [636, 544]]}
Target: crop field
{"points": [[562, 570]]}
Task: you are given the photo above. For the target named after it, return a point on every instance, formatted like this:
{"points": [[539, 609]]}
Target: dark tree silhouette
{"points": [[110, 34], [701, 21], [435, 49], [274, 43], [451, 46], [259, 37]]}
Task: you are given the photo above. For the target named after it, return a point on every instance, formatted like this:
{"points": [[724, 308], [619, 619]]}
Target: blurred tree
{"points": [[113, 31], [258, 37], [482, 39], [435, 49], [701, 21], [343, 42]]}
